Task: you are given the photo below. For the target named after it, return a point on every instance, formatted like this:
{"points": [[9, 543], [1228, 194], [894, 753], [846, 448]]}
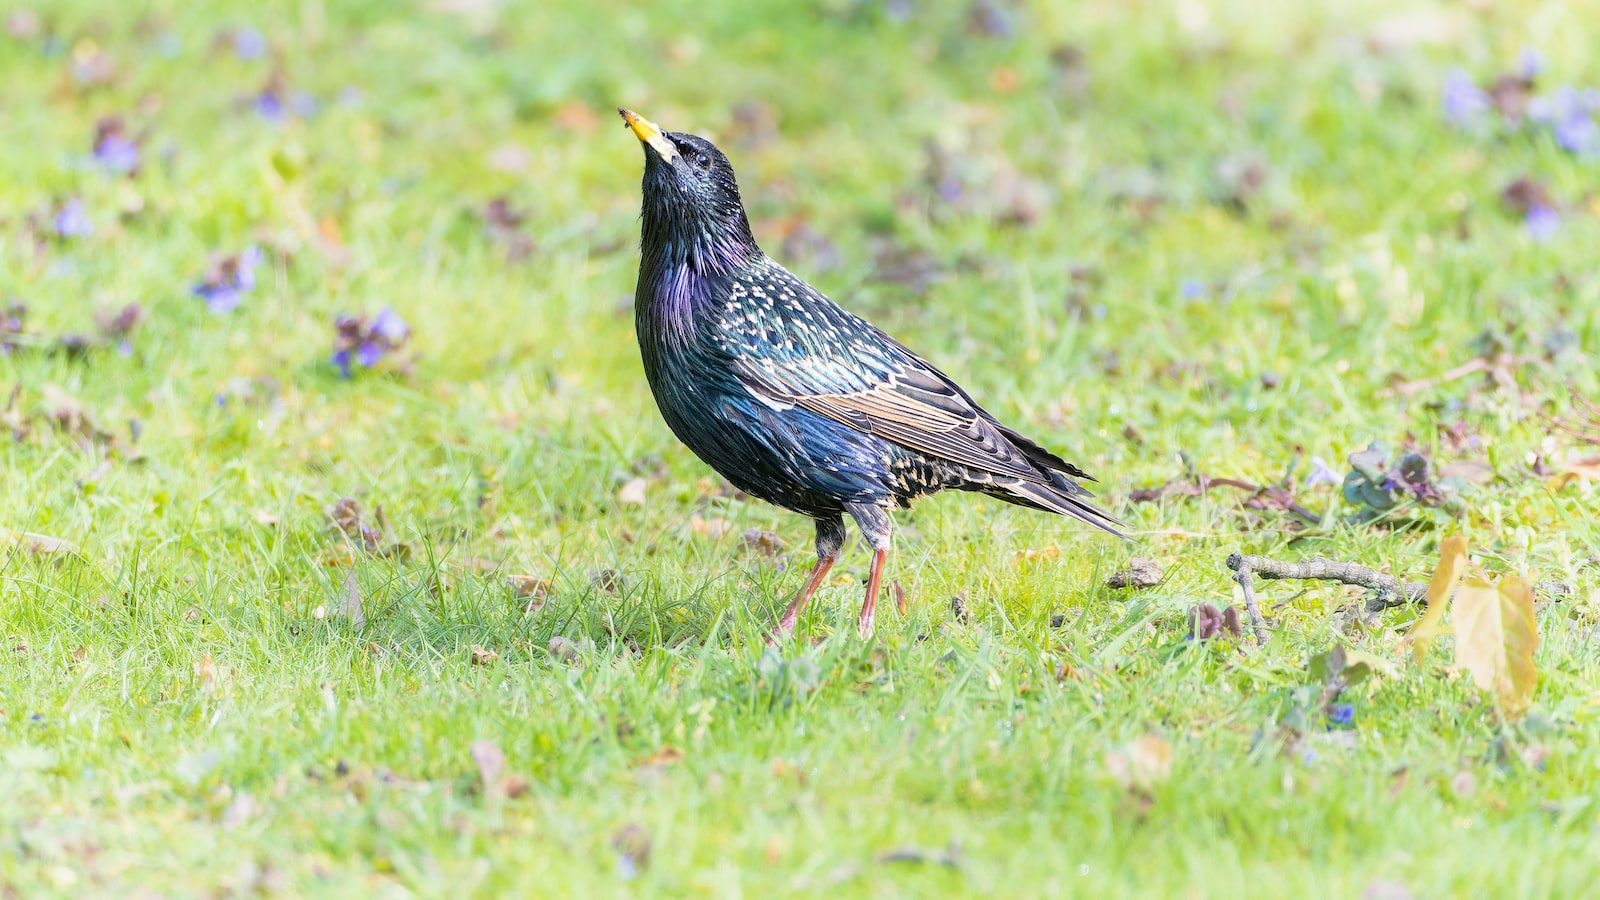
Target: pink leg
{"points": [[786, 622], [869, 604]]}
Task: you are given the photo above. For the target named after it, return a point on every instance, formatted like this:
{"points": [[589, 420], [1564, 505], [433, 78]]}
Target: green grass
{"points": [[186, 650]]}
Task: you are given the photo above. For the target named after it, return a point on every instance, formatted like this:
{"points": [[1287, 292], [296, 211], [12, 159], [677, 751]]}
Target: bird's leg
{"points": [[875, 527], [830, 540], [869, 603]]}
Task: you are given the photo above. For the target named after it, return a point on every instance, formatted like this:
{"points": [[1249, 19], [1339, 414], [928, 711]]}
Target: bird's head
{"points": [[692, 210]]}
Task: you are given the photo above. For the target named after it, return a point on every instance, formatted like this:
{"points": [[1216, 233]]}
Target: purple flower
{"points": [[364, 341], [268, 105], [114, 151], [1577, 133], [11, 323], [1322, 473], [1463, 100], [228, 280], [1542, 222], [1341, 713], [1570, 114], [303, 104], [248, 43], [389, 326], [72, 221], [1529, 64], [275, 102], [1192, 289]]}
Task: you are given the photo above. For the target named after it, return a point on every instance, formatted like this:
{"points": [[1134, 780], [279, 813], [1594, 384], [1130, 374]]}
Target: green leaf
{"points": [[1354, 666]]}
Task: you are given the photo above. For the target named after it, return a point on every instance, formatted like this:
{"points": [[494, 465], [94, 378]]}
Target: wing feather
{"points": [[821, 358], [913, 407]]}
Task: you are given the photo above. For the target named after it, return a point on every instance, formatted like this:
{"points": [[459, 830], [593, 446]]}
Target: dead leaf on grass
{"points": [[1496, 637], [1140, 573], [1452, 563], [533, 589]]}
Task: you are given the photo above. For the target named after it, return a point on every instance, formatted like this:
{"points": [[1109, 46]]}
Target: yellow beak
{"points": [[649, 133]]}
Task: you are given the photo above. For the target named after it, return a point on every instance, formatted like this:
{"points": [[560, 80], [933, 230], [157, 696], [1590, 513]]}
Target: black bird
{"points": [[793, 399]]}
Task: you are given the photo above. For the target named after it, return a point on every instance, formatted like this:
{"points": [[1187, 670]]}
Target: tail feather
{"points": [[1052, 499]]}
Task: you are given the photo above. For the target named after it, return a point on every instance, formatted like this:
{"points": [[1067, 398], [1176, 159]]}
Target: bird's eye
{"points": [[703, 161]]}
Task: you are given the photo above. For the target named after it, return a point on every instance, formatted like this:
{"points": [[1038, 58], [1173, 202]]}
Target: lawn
{"points": [[305, 605]]}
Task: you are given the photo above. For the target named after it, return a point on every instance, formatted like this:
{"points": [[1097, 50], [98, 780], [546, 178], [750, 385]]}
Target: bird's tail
{"points": [[1073, 503]]}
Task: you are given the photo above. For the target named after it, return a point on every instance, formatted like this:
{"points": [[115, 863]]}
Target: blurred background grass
{"points": [[1139, 230]]}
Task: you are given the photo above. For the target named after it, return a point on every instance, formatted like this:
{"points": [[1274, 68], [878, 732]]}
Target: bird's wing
{"points": [[839, 366]]}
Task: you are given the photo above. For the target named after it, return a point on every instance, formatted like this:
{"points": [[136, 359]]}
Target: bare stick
{"points": [[1258, 624], [1387, 590]]}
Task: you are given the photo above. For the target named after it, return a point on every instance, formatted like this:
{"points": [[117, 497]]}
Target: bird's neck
{"points": [[685, 269], [701, 243]]}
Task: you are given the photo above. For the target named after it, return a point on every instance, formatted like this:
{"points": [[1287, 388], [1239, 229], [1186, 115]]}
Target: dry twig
{"points": [[1387, 590]]}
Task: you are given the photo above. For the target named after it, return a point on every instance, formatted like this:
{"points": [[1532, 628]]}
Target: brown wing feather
{"points": [[918, 410]]}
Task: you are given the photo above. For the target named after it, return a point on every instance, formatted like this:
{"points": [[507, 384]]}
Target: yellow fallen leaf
{"points": [[1496, 637], [1035, 554], [1452, 563]]}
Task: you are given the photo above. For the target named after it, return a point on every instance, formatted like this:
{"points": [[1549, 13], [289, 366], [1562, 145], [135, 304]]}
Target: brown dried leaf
{"points": [[530, 588], [482, 656], [1140, 573], [567, 650], [610, 581], [766, 543]]}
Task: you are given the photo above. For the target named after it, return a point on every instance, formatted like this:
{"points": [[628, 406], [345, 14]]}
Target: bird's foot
{"points": [[784, 629], [864, 624]]}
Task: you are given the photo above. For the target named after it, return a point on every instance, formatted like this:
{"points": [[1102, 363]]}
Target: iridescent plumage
{"points": [[794, 399]]}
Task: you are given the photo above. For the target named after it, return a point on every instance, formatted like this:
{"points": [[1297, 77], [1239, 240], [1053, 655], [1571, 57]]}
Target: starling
{"points": [[795, 400]]}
